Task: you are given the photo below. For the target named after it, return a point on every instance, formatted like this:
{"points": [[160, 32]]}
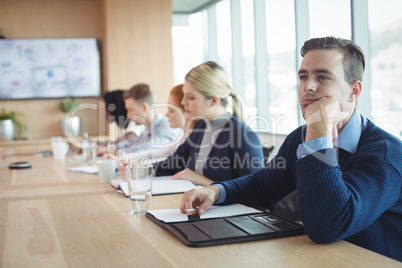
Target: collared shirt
{"points": [[348, 139], [158, 136], [208, 140]]}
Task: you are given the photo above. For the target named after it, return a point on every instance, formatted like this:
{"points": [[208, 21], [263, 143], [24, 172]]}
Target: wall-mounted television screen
{"points": [[49, 68]]}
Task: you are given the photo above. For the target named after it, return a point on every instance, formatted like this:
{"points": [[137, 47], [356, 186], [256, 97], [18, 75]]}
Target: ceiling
{"points": [[190, 6]]}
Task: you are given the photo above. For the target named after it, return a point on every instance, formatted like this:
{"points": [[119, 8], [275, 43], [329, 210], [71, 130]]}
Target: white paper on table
{"points": [[77, 158], [160, 185], [93, 169], [175, 215]]}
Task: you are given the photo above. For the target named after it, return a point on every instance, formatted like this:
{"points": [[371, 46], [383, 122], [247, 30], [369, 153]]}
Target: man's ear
{"points": [[355, 90], [215, 100], [145, 106]]}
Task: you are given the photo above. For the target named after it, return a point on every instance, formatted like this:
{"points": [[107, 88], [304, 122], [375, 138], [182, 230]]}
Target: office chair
{"points": [[288, 207]]}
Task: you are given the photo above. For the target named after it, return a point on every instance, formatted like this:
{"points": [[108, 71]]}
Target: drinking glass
{"points": [[89, 152], [139, 182]]}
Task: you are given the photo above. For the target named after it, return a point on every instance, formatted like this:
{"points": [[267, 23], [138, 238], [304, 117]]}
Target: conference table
{"points": [[50, 217]]}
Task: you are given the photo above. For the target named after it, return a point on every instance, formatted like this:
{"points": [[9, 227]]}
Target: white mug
{"points": [[59, 149], [56, 139], [107, 170]]}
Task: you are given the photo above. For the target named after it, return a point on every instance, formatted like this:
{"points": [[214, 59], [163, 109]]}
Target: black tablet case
{"points": [[228, 230]]}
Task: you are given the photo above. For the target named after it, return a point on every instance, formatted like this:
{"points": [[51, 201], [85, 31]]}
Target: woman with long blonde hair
{"points": [[221, 146]]}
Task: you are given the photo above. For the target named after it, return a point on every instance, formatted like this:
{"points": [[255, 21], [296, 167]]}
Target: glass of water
{"points": [[139, 182], [89, 152]]}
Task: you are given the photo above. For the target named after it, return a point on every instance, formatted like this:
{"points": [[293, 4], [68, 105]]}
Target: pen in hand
{"points": [[190, 211], [192, 214]]}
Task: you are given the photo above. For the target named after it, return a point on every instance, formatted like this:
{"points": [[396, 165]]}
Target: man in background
{"points": [[138, 101]]}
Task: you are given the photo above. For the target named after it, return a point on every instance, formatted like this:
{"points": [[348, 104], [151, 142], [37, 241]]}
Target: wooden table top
{"points": [[52, 217]]}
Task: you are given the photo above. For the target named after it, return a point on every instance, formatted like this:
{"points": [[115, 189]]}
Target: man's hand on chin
{"points": [[322, 117]]}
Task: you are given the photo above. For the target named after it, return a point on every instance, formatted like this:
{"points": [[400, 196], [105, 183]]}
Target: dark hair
{"points": [[114, 104], [353, 56], [140, 93]]}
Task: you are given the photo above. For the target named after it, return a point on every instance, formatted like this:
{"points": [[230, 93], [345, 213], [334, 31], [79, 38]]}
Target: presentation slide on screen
{"points": [[49, 68]]}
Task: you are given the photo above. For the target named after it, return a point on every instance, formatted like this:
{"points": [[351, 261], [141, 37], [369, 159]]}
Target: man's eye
{"points": [[323, 77], [303, 77]]}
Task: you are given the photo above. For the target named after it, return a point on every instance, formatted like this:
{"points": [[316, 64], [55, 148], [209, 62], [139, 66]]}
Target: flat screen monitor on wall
{"points": [[49, 68]]}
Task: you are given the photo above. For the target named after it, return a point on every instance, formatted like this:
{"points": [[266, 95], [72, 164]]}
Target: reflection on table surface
{"points": [[52, 217]]}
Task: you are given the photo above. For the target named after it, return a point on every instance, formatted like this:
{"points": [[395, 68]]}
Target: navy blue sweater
{"points": [[237, 152], [356, 197]]}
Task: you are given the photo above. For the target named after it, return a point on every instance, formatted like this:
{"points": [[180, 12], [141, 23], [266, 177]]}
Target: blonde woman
{"points": [[221, 146]]}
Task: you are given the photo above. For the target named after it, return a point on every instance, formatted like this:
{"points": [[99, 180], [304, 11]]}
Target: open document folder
{"points": [[175, 215], [221, 225], [160, 185]]}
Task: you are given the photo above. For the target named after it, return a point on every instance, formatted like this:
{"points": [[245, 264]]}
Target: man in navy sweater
{"points": [[347, 171]]}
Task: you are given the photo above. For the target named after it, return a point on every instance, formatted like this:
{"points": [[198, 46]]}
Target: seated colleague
{"points": [[220, 145], [353, 192], [175, 113], [115, 111], [138, 101]]}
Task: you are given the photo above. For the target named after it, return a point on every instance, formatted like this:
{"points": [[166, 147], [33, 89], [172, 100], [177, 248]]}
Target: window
{"points": [[248, 50], [282, 74], [269, 86], [385, 24], [187, 43], [224, 37], [330, 17]]}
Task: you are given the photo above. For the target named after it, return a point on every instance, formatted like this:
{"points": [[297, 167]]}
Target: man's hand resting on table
{"points": [[122, 169]]}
